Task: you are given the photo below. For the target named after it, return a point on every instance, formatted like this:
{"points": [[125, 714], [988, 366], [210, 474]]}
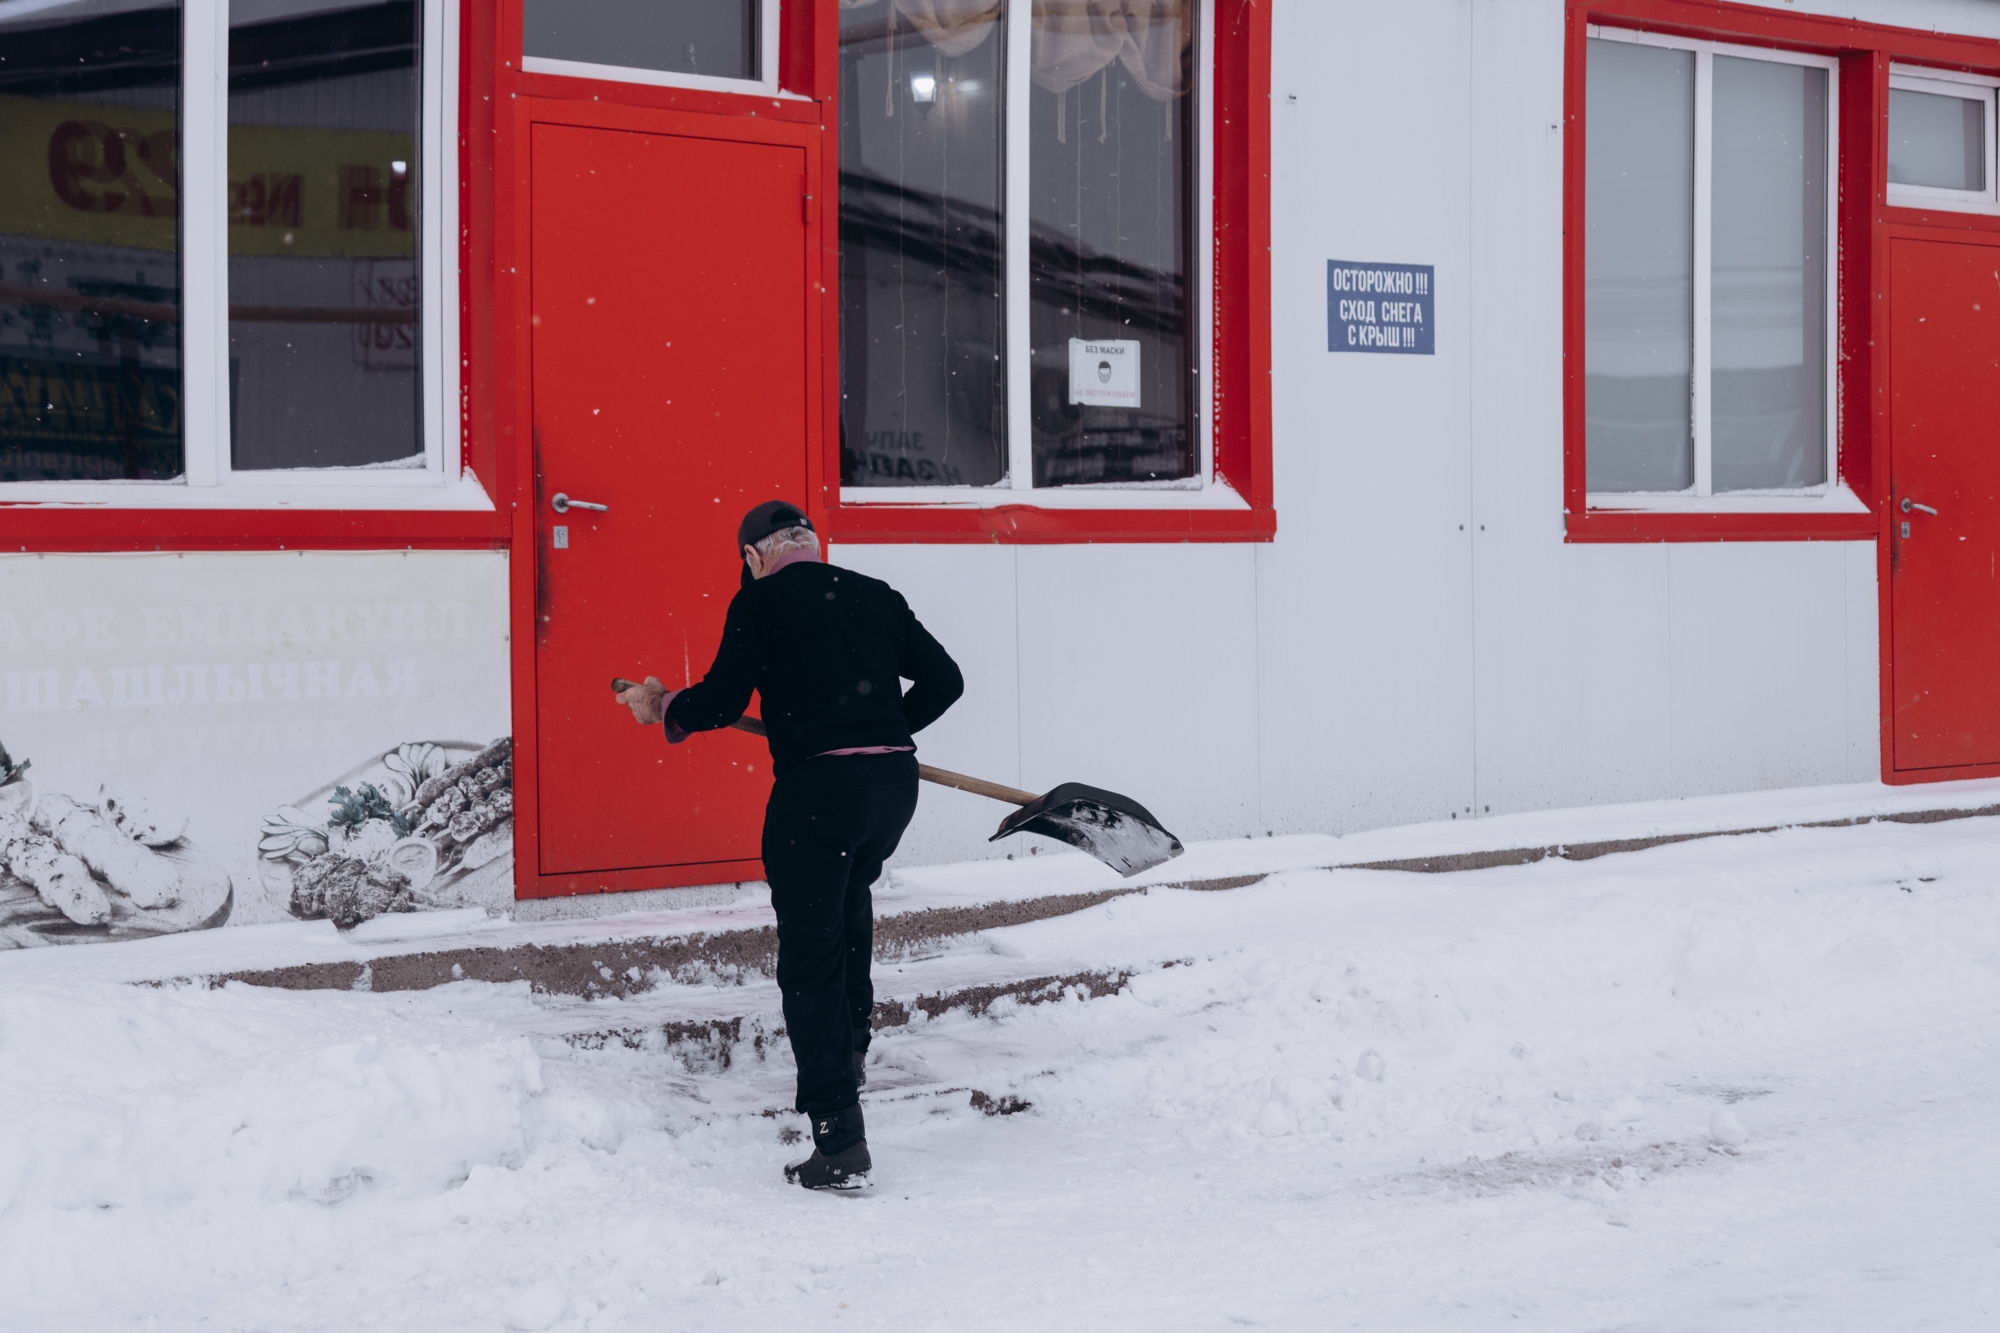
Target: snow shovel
{"points": [[1115, 829]]}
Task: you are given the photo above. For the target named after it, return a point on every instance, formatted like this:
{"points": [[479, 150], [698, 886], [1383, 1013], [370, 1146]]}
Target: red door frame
{"points": [[1989, 243], [1865, 222], [498, 103], [530, 880], [1902, 230]]}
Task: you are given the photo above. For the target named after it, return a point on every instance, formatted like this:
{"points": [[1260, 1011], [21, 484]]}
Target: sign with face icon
{"points": [[1104, 374]]}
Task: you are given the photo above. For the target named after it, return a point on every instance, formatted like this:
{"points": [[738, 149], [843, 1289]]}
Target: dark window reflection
{"points": [[323, 274], [713, 37], [923, 383], [1111, 170], [90, 244]]}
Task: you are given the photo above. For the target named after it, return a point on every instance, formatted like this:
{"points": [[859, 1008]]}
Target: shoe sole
{"points": [[851, 1185]]}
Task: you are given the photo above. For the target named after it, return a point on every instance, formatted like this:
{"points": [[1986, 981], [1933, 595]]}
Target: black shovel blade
{"points": [[1115, 829]]}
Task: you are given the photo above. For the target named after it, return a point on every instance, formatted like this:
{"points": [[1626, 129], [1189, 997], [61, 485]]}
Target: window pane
{"points": [[1639, 268], [713, 37], [323, 312], [1937, 140], [1111, 171], [922, 380], [90, 286], [1767, 285]]}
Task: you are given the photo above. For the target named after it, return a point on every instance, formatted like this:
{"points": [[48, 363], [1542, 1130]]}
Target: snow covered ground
{"points": [[1740, 1083]]}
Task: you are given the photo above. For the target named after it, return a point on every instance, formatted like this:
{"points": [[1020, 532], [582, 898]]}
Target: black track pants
{"points": [[831, 823]]}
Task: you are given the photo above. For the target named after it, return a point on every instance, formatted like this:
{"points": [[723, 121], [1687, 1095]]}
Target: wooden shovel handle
{"points": [[943, 777], [977, 786]]}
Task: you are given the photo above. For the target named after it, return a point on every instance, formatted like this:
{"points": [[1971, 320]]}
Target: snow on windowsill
{"points": [[1837, 500]]}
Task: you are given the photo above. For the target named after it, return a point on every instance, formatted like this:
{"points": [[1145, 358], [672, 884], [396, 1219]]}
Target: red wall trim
{"points": [[46, 528], [1240, 369], [1030, 525], [1822, 34], [1619, 525], [1865, 52]]}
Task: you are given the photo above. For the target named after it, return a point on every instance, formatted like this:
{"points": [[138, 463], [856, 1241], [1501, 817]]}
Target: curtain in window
{"points": [[1073, 39], [954, 27]]}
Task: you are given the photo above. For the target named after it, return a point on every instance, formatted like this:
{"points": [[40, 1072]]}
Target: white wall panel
{"points": [[1139, 673], [1759, 661], [1620, 631], [1864, 662], [965, 595], [1570, 664], [1366, 632]]}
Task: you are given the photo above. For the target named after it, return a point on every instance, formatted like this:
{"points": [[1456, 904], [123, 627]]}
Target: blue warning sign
{"points": [[1380, 308]]}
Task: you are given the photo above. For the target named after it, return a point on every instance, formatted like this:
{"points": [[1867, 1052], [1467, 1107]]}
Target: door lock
{"points": [[562, 504], [1909, 504]]}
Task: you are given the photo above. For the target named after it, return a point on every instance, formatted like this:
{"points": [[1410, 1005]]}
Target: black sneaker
{"points": [[840, 1158]]}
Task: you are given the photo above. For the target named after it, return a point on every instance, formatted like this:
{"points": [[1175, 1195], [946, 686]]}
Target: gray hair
{"points": [[787, 539]]}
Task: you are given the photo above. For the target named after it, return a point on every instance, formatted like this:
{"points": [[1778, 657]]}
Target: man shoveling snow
{"points": [[827, 650]]}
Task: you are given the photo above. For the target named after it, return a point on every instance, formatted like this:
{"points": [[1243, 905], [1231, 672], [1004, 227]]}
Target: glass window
{"points": [[1707, 228], [90, 290], [923, 373], [1099, 360], [323, 281], [1111, 169], [1937, 140], [1639, 265], [1768, 276], [716, 38]]}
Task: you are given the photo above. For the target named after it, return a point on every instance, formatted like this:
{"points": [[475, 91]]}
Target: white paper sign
{"points": [[1104, 374]]}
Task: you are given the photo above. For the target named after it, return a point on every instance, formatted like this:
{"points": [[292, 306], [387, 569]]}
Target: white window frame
{"points": [[765, 85], [1202, 491], [208, 481], [1950, 83], [1832, 495]]}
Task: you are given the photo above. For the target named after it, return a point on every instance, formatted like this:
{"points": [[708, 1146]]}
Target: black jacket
{"points": [[828, 650]]}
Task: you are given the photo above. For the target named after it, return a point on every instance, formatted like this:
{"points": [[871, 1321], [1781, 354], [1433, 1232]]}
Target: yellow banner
{"points": [[85, 171]]}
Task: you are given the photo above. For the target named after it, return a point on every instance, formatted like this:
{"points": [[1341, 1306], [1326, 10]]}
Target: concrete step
{"points": [[618, 968], [632, 961]]}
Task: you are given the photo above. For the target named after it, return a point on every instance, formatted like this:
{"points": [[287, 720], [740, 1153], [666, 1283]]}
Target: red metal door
{"points": [[1944, 368], [670, 384]]}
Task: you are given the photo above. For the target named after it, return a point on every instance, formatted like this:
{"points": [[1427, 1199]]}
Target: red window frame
{"points": [[1241, 326], [1865, 51]]}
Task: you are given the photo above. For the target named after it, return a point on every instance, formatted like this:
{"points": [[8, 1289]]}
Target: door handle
{"points": [[1909, 504], [562, 504]]}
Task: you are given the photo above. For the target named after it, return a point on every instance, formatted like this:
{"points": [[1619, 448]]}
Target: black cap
{"points": [[767, 518]]}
